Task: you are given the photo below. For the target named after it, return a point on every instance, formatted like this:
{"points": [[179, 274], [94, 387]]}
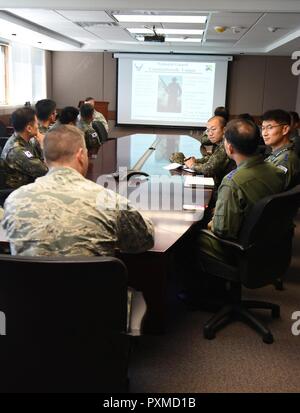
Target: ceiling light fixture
{"points": [[156, 18], [144, 30], [184, 39]]}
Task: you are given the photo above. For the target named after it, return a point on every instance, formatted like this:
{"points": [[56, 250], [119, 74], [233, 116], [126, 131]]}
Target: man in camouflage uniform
{"points": [[217, 164], [252, 180], [92, 140], [63, 213], [97, 116], [46, 114], [24, 165], [275, 131]]}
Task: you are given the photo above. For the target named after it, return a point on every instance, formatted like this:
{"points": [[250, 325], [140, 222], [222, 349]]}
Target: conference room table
{"points": [[160, 195], [164, 196]]}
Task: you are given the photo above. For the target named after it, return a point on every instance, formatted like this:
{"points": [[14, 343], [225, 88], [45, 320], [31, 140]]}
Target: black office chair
{"points": [[101, 131], [65, 324], [261, 254]]}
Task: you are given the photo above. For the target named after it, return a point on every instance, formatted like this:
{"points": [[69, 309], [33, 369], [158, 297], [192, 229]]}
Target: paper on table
{"points": [[188, 170], [198, 181], [173, 165]]}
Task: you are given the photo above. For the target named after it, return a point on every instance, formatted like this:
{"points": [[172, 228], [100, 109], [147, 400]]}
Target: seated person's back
{"points": [[252, 180], [63, 213]]}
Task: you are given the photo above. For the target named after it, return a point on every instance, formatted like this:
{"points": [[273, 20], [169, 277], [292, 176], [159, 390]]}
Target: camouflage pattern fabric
{"points": [[63, 213], [100, 118], [286, 158], [91, 137], [177, 157], [251, 181], [23, 163]]}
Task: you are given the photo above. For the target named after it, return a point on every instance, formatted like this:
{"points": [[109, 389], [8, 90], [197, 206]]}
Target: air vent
{"points": [[96, 24]]}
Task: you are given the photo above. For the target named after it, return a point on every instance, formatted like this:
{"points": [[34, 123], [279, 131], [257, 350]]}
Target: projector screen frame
{"points": [[173, 56]]}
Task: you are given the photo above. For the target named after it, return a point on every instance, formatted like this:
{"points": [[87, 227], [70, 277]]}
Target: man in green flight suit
{"points": [[276, 132], [92, 140], [252, 180], [23, 163]]}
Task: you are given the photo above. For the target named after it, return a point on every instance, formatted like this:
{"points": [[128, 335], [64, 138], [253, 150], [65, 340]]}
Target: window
{"points": [[3, 99], [27, 74]]}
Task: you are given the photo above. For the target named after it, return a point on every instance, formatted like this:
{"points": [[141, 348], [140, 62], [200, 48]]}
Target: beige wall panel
{"points": [[77, 75]]}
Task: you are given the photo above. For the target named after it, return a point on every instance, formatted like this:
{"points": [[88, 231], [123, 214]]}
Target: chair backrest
{"points": [[65, 324], [267, 234], [100, 129]]}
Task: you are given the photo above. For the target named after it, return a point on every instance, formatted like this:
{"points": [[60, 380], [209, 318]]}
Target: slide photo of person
{"points": [[169, 93]]}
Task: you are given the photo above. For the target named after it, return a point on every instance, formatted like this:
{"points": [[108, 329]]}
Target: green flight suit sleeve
{"points": [[229, 211]]}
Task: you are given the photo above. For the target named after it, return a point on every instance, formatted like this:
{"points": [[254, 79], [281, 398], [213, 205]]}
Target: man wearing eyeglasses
{"points": [[276, 132], [217, 164]]}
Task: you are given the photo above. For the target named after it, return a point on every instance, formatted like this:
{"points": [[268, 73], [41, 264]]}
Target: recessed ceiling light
{"points": [[179, 31], [184, 39], [159, 18]]}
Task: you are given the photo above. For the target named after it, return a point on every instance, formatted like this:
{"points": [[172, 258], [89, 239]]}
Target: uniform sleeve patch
{"points": [[283, 168], [28, 154], [230, 175]]}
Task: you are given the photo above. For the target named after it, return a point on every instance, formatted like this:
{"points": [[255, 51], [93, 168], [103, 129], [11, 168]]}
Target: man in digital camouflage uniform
{"points": [[23, 163], [85, 124], [275, 131], [63, 213]]}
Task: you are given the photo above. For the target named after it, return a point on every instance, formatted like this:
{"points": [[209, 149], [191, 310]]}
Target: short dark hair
{"points": [[68, 114], [21, 117], [223, 112], [294, 117], [86, 110], [278, 115], [246, 116], [221, 119], [89, 98], [44, 108], [242, 135]]}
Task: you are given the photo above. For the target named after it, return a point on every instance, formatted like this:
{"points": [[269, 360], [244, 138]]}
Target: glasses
{"points": [[212, 129], [270, 127]]}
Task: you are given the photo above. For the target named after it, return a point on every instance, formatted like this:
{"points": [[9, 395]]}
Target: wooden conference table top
{"points": [[163, 189]]}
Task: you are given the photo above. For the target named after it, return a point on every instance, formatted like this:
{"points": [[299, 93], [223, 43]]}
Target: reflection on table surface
{"points": [[131, 150]]}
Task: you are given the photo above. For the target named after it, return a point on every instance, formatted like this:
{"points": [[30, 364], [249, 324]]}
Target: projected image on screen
{"points": [[163, 90], [169, 94]]}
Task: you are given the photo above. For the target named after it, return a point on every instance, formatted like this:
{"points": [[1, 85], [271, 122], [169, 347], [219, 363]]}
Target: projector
{"points": [[155, 38]]}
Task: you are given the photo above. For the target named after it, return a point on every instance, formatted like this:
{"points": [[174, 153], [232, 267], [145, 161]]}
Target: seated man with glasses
{"points": [[217, 164], [276, 133]]}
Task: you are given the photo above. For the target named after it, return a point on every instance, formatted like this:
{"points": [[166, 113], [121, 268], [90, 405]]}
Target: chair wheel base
{"points": [[268, 338]]}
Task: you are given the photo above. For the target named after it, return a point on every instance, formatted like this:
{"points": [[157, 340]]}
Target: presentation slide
{"points": [[169, 92]]}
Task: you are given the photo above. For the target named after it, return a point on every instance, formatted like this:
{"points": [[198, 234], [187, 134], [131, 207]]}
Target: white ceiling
{"points": [[89, 25]]}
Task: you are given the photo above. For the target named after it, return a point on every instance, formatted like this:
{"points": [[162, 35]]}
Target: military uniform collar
{"points": [[283, 148], [64, 170], [251, 161], [21, 140]]}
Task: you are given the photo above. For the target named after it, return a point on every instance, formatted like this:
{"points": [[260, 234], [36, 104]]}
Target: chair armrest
{"points": [[223, 241]]}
